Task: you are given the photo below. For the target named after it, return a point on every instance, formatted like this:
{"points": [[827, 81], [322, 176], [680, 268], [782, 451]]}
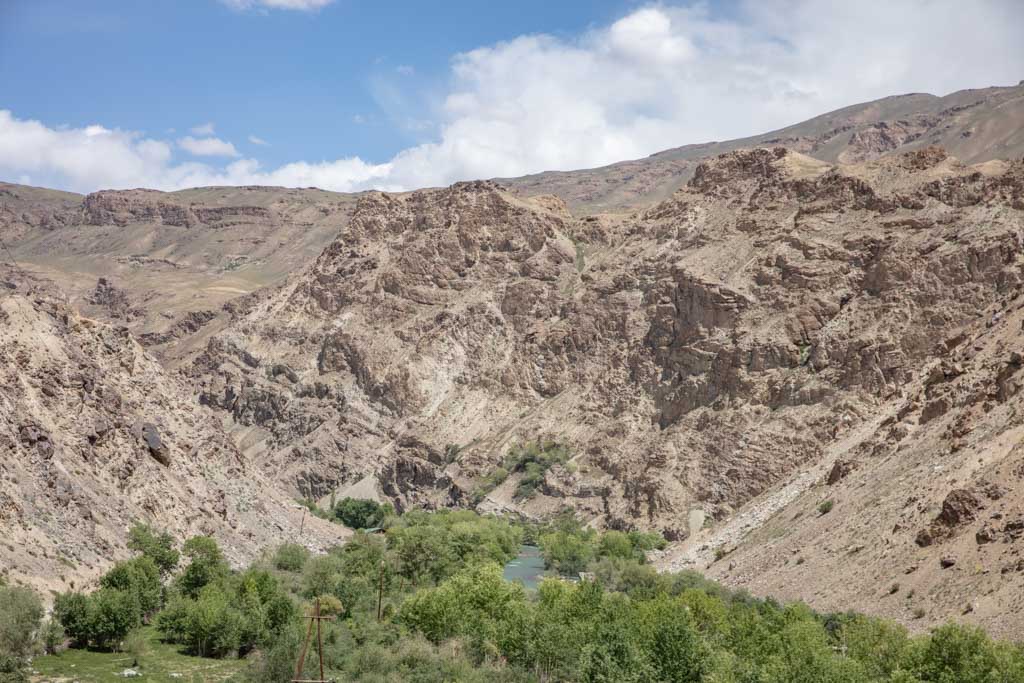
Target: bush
{"points": [[290, 557], [214, 625], [21, 614], [568, 553], [826, 507], [357, 513], [157, 546], [533, 461], [52, 636]]}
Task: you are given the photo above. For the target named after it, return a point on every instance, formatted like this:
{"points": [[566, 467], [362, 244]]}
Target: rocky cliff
{"points": [[95, 435], [772, 318]]}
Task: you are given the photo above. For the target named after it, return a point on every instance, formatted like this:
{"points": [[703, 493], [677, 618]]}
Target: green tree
{"points": [[568, 552], [139, 576], [72, 611], [206, 565], [472, 603], [958, 654], [214, 626], [157, 546], [358, 513], [423, 552], [52, 636], [113, 614]]}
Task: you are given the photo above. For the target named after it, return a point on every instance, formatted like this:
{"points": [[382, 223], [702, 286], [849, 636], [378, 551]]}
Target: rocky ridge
{"points": [[767, 319], [95, 434]]}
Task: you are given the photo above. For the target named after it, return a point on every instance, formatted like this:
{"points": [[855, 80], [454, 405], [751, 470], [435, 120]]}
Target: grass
{"points": [[158, 663]]}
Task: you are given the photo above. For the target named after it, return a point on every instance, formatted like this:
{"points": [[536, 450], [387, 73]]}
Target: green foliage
{"points": [[72, 611], [531, 460], [357, 513], [430, 547], [21, 615], [826, 507], [317, 511], [112, 614], [157, 546], [206, 565], [569, 548], [140, 577], [446, 614], [52, 636], [290, 557], [234, 614]]}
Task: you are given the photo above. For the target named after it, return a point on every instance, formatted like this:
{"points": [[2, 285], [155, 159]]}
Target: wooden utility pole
{"points": [[380, 589], [313, 618]]}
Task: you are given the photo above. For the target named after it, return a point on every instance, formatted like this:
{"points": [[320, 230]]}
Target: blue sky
{"points": [[297, 78], [349, 95]]}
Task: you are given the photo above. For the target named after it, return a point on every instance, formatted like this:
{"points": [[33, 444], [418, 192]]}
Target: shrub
{"points": [[291, 557], [568, 552], [533, 461], [21, 614], [214, 626], [136, 644], [52, 636], [826, 507], [357, 513]]}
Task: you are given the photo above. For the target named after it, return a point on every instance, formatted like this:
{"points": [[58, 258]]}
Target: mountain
{"points": [[96, 434], [972, 125], [797, 355]]}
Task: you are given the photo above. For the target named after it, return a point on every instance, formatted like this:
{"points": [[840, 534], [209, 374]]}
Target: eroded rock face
{"points": [[692, 355], [95, 434]]}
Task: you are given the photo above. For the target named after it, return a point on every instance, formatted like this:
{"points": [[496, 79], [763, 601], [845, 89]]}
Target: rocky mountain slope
{"points": [[164, 264], [731, 342], [95, 435], [775, 316], [973, 125]]}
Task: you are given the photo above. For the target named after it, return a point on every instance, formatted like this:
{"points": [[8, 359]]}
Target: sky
{"points": [[349, 95]]}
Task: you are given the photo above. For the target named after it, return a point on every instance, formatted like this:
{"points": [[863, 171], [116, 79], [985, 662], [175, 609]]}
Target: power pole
{"points": [[380, 589], [313, 618]]}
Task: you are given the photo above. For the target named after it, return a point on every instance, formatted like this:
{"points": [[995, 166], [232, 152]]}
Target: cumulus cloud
{"points": [[659, 77], [207, 147], [301, 5], [201, 129]]}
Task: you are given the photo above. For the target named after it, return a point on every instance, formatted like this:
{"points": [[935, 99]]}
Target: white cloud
{"points": [[301, 5], [207, 147], [662, 76], [258, 141], [201, 129]]}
